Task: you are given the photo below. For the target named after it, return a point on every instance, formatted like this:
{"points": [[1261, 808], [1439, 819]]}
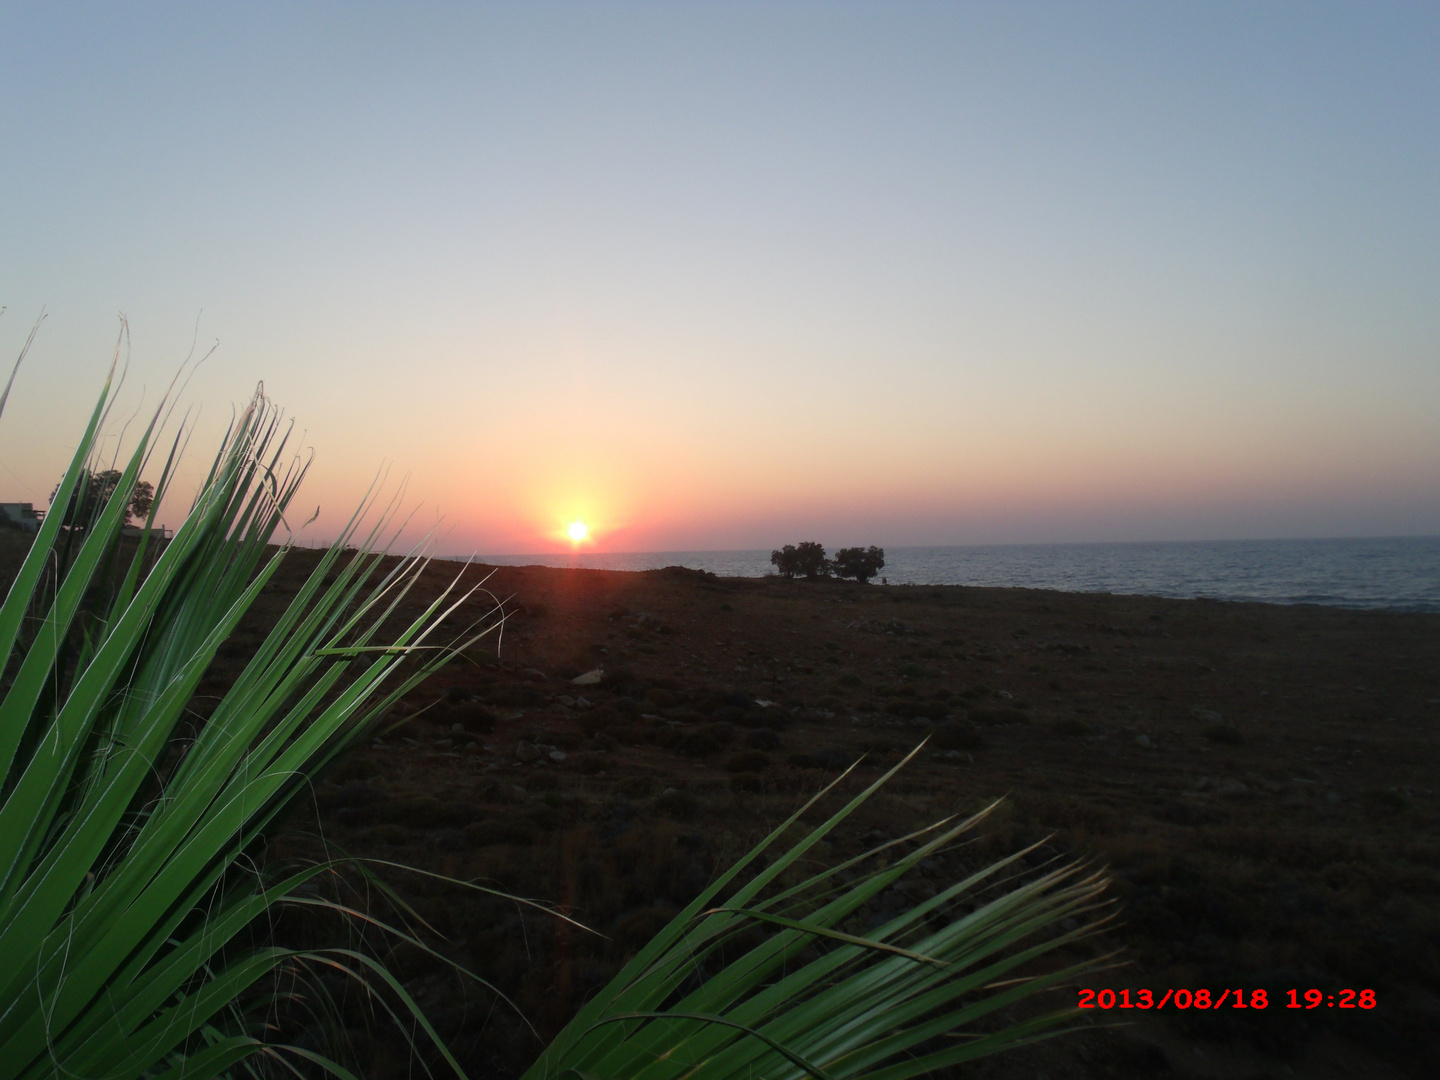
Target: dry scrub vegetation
{"points": [[1258, 778]]}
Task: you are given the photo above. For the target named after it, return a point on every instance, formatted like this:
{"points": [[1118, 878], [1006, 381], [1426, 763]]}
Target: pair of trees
{"points": [[94, 491], [808, 560]]}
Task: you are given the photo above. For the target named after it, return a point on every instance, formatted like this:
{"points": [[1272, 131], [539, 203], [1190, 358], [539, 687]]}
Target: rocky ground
{"points": [[1259, 779]]}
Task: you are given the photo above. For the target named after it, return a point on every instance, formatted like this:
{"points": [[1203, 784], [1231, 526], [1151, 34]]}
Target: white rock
{"points": [[557, 755], [590, 678]]}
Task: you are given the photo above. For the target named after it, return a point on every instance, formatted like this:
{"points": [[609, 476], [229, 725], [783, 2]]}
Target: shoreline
{"points": [[1399, 574], [775, 579]]}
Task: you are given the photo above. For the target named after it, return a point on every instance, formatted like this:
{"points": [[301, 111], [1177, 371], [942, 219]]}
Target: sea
{"points": [[1397, 573]]}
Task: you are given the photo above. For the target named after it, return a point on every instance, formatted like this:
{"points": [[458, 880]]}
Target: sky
{"points": [[715, 276]]}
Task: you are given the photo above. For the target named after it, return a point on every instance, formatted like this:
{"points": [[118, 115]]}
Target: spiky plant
{"points": [[818, 996], [124, 822], [126, 825]]}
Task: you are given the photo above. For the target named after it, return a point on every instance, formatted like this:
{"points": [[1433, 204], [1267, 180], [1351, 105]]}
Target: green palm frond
{"points": [[123, 820], [817, 997]]}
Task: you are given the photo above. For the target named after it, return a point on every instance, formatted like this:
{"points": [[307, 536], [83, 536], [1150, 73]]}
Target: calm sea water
{"points": [[1401, 574]]}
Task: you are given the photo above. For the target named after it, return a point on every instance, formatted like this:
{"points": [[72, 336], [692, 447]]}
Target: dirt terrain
{"points": [[1259, 779]]}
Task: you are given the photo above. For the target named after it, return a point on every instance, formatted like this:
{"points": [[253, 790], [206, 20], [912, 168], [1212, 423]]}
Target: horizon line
{"points": [[992, 544]]}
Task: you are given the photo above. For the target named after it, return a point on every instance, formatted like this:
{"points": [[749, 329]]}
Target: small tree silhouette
{"points": [[94, 491], [860, 563], [807, 560]]}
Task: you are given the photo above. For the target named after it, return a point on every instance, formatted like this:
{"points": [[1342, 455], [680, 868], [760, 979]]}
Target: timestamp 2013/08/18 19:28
{"points": [[1183, 998]]}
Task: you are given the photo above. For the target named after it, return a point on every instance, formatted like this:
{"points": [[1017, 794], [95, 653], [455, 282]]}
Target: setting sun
{"points": [[577, 531]]}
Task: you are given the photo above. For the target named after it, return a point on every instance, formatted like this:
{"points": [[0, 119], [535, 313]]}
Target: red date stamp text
{"points": [[1230, 998]]}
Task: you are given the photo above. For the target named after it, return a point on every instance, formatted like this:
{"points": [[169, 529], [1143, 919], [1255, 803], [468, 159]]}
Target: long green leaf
{"points": [[119, 899]]}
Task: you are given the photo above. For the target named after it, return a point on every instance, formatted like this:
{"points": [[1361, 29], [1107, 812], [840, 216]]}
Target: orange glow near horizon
{"points": [[1068, 295]]}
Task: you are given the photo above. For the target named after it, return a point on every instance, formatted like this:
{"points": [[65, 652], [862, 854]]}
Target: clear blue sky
{"points": [[736, 275]]}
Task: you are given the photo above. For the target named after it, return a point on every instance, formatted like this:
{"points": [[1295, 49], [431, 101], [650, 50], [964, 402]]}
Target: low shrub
{"points": [[490, 833], [473, 717], [748, 761], [1071, 726], [663, 735], [680, 805], [637, 787], [997, 717], [427, 812], [356, 768], [831, 759], [908, 709], [913, 670], [762, 739], [706, 741], [394, 835], [961, 735], [591, 764]]}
